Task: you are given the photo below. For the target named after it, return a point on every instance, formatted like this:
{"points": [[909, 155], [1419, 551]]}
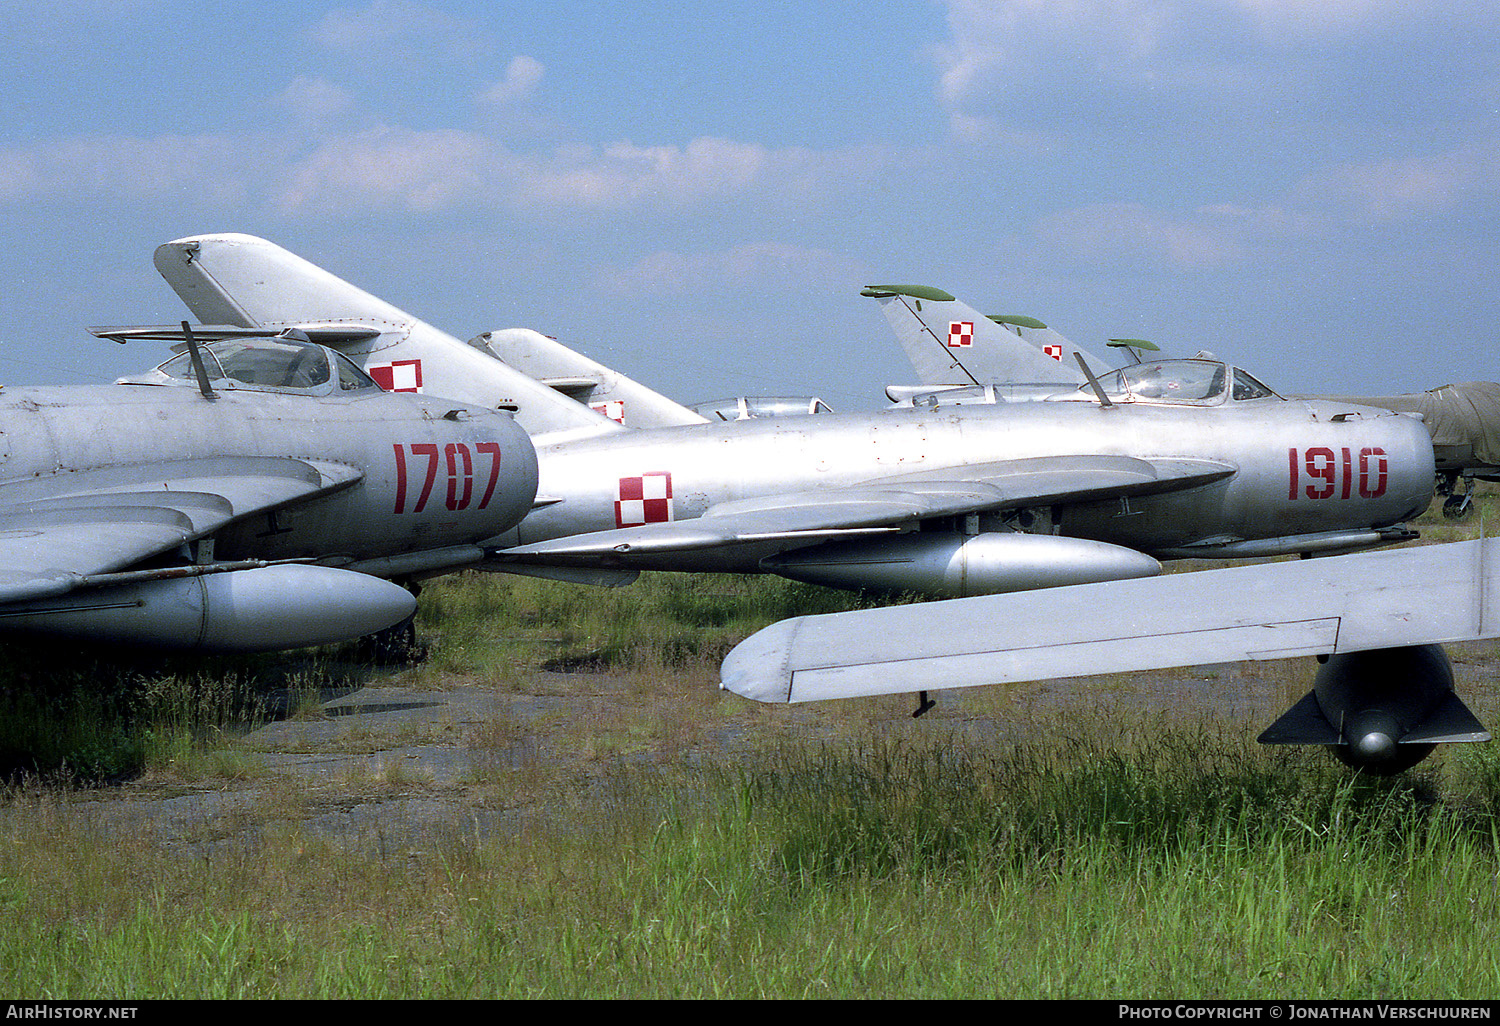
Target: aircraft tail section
{"points": [[577, 376], [950, 343], [248, 281]]}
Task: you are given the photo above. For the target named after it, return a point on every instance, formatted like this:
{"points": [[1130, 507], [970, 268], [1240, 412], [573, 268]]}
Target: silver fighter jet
{"points": [[1189, 458], [963, 357], [252, 493]]}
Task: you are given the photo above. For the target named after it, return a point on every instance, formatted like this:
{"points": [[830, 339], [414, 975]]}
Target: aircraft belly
{"points": [[1149, 521]]}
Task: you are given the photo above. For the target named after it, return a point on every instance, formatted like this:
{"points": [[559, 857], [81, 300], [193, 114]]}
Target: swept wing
{"points": [[1328, 606], [888, 504], [60, 529]]}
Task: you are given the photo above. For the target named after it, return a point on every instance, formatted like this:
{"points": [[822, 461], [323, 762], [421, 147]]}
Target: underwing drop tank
{"points": [[1380, 710], [255, 610], [950, 565]]}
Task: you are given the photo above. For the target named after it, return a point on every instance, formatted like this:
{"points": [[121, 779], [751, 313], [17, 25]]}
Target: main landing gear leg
{"points": [[1459, 504]]}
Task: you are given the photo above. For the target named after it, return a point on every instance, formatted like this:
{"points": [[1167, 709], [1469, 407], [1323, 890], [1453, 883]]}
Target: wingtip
{"points": [[759, 668]]}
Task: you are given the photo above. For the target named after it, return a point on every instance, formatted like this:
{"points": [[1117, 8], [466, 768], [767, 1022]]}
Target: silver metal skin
{"points": [[951, 344], [261, 610], [1165, 459], [1382, 699], [1198, 467], [952, 565], [50, 433], [1256, 498], [963, 357], [587, 381], [120, 505]]}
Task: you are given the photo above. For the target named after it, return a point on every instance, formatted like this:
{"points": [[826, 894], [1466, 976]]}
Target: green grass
{"points": [[841, 851], [497, 624], [1187, 865]]}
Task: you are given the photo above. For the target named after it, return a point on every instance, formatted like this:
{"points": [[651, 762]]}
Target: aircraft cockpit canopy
{"points": [[754, 407], [264, 365], [1180, 383]]}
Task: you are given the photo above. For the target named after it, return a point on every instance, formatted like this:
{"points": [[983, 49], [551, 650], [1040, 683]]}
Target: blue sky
{"points": [[695, 193]]}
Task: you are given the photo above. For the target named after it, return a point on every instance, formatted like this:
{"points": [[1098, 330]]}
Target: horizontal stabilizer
{"points": [[334, 335]]}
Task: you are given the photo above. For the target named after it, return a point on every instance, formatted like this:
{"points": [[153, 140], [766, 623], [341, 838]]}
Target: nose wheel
{"points": [[398, 645], [1456, 507], [1458, 504]]}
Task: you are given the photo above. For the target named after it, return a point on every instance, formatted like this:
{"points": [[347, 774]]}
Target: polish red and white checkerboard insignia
{"points": [[614, 410], [646, 499], [1054, 351], [400, 376], [960, 334]]}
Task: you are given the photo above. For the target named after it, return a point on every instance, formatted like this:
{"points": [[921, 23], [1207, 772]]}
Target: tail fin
{"points": [[573, 374], [949, 343], [244, 280]]}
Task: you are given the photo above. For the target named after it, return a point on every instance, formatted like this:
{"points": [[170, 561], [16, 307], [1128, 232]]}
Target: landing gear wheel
{"points": [[1456, 507], [395, 646]]}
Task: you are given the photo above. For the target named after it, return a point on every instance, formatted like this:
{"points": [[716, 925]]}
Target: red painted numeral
{"points": [[492, 450], [1320, 466], [1329, 473], [460, 473], [429, 450], [459, 462], [1372, 479]]}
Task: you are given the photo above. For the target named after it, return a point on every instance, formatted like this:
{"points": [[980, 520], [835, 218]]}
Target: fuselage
{"points": [[430, 477], [1300, 468]]}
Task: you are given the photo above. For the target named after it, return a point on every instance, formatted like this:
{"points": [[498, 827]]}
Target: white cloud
{"points": [[521, 78], [314, 102], [1210, 237], [209, 168], [751, 265], [410, 169], [1012, 65], [385, 168], [1304, 20], [375, 27], [392, 167], [1404, 188], [625, 175]]}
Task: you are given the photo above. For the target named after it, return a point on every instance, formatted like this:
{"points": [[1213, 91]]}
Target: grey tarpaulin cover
{"points": [[1467, 413]]}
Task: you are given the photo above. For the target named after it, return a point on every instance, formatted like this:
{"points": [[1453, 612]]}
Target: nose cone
{"points": [[1417, 472], [1371, 739], [1376, 746]]}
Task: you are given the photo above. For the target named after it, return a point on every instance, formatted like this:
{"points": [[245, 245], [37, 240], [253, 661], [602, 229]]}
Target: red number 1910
{"points": [[1331, 474]]}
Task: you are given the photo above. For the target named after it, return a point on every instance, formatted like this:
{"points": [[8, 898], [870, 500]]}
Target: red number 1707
{"points": [[459, 463]]}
